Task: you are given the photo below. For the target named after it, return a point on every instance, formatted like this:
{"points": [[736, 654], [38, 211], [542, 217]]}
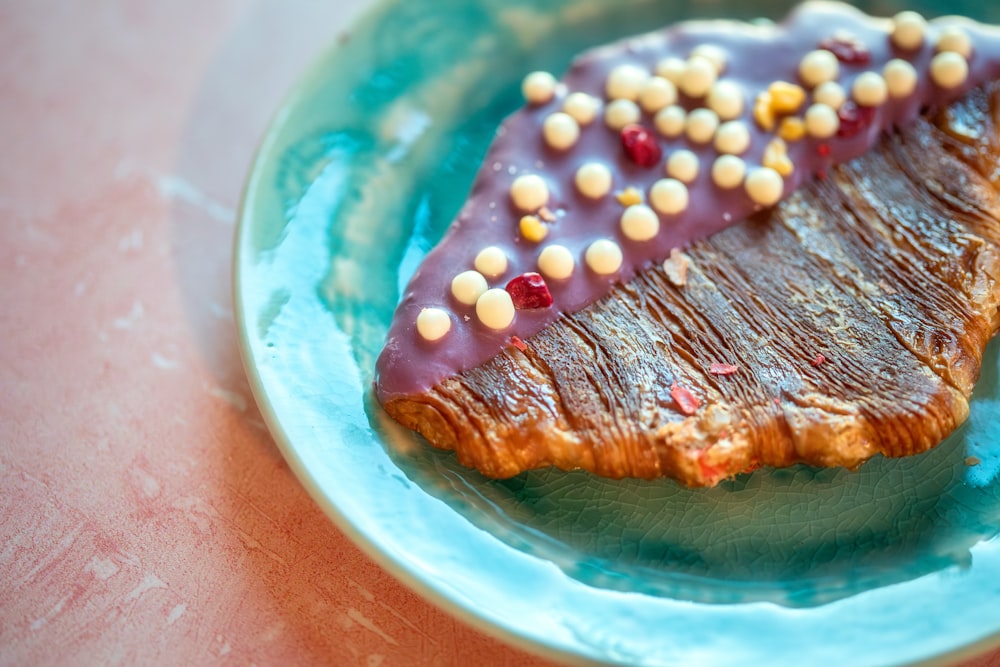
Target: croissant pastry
{"points": [[719, 247]]}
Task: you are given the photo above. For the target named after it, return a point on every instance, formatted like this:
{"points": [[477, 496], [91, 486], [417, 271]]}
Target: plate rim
{"points": [[462, 610]]}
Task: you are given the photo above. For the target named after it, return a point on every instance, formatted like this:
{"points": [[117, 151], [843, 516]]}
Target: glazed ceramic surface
{"points": [[359, 176]]}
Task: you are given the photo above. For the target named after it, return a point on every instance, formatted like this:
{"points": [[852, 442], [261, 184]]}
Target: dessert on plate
{"points": [[716, 247]]}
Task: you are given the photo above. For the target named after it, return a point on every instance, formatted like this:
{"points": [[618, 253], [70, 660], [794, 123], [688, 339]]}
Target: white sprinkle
{"points": [[657, 93], [725, 98], [560, 130], [728, 171], [625, 82], [495, 308], [831, 94], [582, 107], [699, 75], [620, 113], [821, 121], [433, 323], [556, 262], [603, 256], [671, 69], [869, 89], [668, 196], [732, 137], [955, 38], [949, 69], [900, 78], [670, 121], [529, 192], [468, 286], [491, 261], [764, 185], [639, 223], [712, 54], [817, 67], [683, 165], [701, 125], [593, 179], [538, 87], [908, 30]]}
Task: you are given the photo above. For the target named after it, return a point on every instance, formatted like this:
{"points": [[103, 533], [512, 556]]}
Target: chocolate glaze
{"points": [[756, 56]]}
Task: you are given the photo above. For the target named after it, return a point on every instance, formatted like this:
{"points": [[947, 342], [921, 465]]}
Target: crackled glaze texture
{"points": [[359, 178]]}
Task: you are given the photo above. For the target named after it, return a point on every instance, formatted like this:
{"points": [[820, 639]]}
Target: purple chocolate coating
{"points": [[756, 57]]}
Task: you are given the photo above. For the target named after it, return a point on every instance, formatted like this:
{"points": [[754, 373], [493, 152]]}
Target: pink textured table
{"points": [[146, 517]]}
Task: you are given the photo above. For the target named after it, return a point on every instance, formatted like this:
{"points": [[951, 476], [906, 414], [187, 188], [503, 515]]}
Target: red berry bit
{"points": [[686, 402], [518, 343], [847, 49], [818, 360], [529, 290], [723, 369], [854, 118], [641, 146]]}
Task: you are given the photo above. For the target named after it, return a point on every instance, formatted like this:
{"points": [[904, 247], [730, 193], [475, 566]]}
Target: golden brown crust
{"points": [[856, 312]]}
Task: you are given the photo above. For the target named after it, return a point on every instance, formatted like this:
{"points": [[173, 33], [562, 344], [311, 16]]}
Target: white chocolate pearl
{"points": [[529, 192], [556, 262], [726, 99], [821, 121], [949, 69], [728, 171], [701, 125], [582, 107], [817, 67], [593, 180], [620, 113], [831, 94], [560, 130], [668, 196], [908, 30], [954, 38], [433, 323], [625, 82], [683, 165], [869, 89], [491, 261], [639, 222], [657, 93], [900, 77], [699, 75], [603, 256], [732, 137], [468, 286], [495, 308], [538, 87], [671, 69], [764, 185], [712, 54], [670, 121]]}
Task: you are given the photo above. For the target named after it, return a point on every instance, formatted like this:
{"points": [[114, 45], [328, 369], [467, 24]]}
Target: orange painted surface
{"points": [[146, 517]]}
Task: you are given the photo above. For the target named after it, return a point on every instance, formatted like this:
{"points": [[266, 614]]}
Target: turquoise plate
{"points": [[359, 175]]}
